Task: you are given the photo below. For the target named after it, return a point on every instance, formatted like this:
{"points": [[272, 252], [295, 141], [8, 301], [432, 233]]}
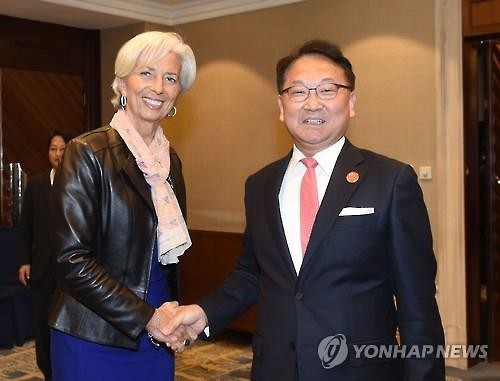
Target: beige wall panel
{"points": [[228, 126], [111, 41]]}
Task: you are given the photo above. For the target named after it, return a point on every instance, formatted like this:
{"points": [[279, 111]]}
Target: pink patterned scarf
{"points": [[154, 162]]}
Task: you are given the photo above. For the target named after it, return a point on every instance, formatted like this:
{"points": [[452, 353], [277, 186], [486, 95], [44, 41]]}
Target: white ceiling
{"points": [[102, 14]]}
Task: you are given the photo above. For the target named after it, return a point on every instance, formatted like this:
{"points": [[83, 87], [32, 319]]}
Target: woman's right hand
{"points": [[164, 317], [162, 314], [24, 274]]}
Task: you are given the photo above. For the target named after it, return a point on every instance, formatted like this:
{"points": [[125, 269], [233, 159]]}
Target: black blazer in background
{"points": [[33, 230]]}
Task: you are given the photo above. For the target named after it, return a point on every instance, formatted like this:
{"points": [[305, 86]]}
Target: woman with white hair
{"points": [[118, 226]]}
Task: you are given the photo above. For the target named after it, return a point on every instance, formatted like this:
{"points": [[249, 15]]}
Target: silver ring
{"points": [[187, 342]]}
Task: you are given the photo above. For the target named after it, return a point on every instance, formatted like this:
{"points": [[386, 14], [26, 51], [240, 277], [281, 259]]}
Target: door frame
{"points": [[473, 216]]}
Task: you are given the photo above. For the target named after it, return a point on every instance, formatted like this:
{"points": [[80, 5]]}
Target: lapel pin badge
{"points": [[352, 177]]}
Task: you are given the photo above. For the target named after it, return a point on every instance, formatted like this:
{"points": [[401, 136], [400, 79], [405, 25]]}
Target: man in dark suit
{"points": [[33, 254], [362, 273]]}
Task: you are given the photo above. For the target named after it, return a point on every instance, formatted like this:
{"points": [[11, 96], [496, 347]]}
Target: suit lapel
{"points": [[46, 183], [177, 181], [137, 179], [337, 195], [126, 163], [273, 210], [175, 175]]}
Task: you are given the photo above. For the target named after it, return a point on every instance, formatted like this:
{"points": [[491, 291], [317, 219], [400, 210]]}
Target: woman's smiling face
{"points": [[151, 91]]}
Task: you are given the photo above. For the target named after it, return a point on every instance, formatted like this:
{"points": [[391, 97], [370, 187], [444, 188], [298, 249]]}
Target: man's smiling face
{"points": [[316, 124]]}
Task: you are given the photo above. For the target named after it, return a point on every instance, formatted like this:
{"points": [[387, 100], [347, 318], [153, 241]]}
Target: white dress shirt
{"points": [[52, 175], [289, 196]]}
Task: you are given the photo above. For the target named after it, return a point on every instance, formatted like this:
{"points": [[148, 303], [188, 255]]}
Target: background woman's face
{"points": [[56, 150]]}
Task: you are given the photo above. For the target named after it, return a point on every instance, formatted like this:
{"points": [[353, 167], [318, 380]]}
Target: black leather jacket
{"points": [[103, 231]]}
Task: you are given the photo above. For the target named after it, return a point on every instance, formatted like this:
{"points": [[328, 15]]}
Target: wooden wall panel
{"points": [[35, 103], [47, 72], [34, 45], [32, 105], [480, 17], [38, 46], [207, 263]]}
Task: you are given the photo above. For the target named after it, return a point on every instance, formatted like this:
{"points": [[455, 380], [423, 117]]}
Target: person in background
{"points": [[33, 251], [338, 246], [118, 225]]}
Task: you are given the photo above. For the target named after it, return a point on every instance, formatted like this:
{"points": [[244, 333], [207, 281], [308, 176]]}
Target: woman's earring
{"points": [[123, 102], [173, 113]]}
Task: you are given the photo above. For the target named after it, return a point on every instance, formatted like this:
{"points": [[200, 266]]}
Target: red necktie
{"points": [[309, 203]]}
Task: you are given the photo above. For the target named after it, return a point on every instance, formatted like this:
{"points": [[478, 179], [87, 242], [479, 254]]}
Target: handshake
{"points": [[176, 326]]}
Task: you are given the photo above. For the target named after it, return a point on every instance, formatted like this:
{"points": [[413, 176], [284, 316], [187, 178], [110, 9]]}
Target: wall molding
{"points": [[164, 14]]}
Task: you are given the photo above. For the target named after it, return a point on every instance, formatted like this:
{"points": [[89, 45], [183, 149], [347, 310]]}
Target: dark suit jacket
{"points": [[353, 269], [33, 230]]}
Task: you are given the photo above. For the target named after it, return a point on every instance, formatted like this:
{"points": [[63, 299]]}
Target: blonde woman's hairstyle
{"points": [[149, 47]]}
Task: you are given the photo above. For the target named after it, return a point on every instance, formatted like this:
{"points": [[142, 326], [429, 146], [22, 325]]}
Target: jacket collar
{"points": [[273, 209], [125, 162]]}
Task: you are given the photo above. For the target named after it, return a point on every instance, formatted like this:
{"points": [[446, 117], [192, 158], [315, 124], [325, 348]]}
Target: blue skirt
{"points": [[75, 359]]}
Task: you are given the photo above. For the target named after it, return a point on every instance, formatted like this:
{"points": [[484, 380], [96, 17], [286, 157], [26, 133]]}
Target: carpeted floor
{"points": [[227, 359], [484, 371]]}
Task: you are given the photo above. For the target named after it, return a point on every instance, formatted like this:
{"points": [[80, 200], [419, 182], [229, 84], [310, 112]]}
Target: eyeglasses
{"points": [[325, 91]]}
